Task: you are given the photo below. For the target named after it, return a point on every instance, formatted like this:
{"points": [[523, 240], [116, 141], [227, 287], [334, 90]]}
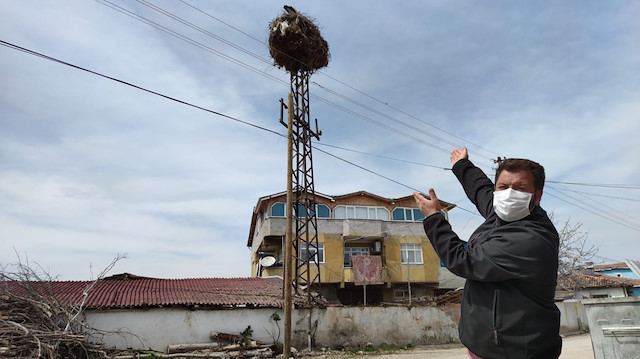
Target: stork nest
{"points": [[296, 44]]}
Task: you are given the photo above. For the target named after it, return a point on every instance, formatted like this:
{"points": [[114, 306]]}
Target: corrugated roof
{"points": [[130, 291], [609, 266], [598, 281]]}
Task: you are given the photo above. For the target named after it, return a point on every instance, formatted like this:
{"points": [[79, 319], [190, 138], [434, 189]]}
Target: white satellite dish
{"points": [[267, 261]]}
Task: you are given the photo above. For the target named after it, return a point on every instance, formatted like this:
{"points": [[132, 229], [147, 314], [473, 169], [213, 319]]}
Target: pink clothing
{"points": [[472, 356]]}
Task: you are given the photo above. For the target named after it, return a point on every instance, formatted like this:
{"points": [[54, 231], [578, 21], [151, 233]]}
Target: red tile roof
{"points": [[609, 266], [130, 291], [598, 281]]}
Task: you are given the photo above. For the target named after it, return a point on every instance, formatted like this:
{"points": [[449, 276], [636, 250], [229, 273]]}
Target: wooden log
{"points": [[182, 348], [225, 337]]}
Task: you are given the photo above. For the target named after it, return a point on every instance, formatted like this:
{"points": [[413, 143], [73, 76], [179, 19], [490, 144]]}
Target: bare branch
{"points": [[34, 324], [574, 254]]}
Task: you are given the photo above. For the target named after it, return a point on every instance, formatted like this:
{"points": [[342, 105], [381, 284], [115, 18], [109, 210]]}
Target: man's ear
{"points": [[535, 199], [538, 197]]}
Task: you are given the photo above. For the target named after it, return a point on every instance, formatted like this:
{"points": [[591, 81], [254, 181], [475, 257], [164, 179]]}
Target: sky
{"points": [[91, 167]]}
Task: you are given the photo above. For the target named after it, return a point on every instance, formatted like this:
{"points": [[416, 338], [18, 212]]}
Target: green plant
{"points": [[276, 318], [246, 335]]}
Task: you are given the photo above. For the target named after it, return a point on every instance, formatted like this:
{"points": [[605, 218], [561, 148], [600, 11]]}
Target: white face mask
{"points": [[511, 205]]}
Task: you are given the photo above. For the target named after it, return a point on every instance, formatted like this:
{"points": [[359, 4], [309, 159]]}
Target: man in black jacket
{"points": [[510, 262]]}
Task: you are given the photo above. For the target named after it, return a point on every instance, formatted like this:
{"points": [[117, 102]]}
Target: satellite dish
{"points": [[267, 261]]}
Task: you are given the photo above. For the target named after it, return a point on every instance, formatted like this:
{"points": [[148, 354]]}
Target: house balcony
{"points": [[362, 228]]}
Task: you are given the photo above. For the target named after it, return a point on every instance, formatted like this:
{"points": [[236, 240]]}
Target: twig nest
{"points": [[296, 44]]}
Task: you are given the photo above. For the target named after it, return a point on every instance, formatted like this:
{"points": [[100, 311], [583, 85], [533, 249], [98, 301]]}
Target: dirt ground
{"points": [[573, 347]]}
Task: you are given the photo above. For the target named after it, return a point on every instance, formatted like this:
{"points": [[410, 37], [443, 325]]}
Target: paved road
{"points": [[573, 347]]}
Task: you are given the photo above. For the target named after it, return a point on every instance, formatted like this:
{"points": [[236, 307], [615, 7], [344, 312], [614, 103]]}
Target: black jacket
{"points": [[511, 268]]}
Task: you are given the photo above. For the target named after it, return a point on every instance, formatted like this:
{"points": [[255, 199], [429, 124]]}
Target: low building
{"points": [[130, 311], [628, 269], [388, 231], [585, 286]]}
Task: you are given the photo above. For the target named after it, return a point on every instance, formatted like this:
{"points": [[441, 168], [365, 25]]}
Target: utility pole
{"points": [[288, 273], [296, 44]]}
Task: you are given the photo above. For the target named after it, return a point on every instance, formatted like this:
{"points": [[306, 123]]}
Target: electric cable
{"points": [[324, 73], [606, 185], [382, 156], [630, 219], [596, 213], [34, 53], [346, 98], [251, 68]]}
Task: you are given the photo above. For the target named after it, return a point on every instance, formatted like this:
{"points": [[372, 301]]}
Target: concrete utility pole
{"points": [[288, 273]]}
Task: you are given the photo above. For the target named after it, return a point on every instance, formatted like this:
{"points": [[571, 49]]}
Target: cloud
{"points": [[90, 167]]}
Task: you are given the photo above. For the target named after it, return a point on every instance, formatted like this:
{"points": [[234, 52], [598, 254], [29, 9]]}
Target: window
{"points": [[323, 211], [349, 252], [407, 214], [411, 253], [278, 210], [317, 253], [400, 294], [361, 212]]}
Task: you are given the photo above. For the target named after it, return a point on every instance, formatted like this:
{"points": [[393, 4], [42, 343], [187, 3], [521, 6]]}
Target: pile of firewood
{"points": [[36, 326]]}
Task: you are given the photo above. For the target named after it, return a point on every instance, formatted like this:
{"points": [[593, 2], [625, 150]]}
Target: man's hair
{"points": [[520, 164]]}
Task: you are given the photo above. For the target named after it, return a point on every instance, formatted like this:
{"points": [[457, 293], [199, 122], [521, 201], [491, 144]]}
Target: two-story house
{"points": [[352, 225]]}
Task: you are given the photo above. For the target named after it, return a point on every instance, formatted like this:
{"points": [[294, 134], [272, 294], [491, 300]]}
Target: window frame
{"points": [[284, 206], [360, 252], [407, 248], [284, 209], [351, 211], [319, 254], [416, 215]]}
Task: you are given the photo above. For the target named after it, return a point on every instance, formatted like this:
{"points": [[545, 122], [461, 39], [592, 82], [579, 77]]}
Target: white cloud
{"points": [[90, 167]]}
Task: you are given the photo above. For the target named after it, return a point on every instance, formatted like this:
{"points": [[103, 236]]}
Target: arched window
{"points": [[277, 209]]}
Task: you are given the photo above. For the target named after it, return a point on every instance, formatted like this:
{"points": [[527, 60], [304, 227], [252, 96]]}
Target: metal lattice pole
{"points": [[307, 269], [303, 245], [295, 43]]}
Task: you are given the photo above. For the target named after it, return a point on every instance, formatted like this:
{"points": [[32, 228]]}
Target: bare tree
{"points": [[35, 324], [574, 255]]}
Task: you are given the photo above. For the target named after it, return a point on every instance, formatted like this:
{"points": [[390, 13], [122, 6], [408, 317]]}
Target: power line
{"points": [[631, 219], [353, 88], [34, 53], [599, 195], [380, 175], [242, 64], [189, 40], [605, 185], [596, 213], [344, 97], [384, 115], [382, 156]]}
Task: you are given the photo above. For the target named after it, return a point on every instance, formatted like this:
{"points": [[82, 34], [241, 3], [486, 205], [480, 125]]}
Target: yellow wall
{"points": [[428, 272], [332, 271]]}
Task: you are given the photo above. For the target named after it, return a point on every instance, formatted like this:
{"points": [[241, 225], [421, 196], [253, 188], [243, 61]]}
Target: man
{"points": [[510, 261]]}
